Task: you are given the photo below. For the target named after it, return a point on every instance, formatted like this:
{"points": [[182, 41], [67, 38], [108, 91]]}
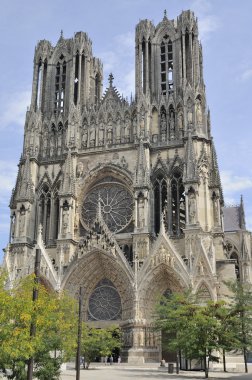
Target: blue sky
{"points": [[226, 35]]}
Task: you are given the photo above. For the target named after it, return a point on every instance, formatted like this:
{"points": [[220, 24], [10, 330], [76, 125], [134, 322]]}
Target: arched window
{"points": [[55, 215], [60, 85], [44, 85], [45, 212], [38, 83], [177, 203], [160, 200], [232, 253], [166, 62], [144, 66], [76, 78], [234, 256]]}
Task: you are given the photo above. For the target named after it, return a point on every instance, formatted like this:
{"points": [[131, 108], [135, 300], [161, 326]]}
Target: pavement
{"points": [[145, 372]]}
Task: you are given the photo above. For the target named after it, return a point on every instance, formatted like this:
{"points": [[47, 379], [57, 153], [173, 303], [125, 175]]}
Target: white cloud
{"points": [[13, 109], [126, 41], [208, 25], [8, 174], [120, 58], [233, 183], [208, 22], [246, 75]]}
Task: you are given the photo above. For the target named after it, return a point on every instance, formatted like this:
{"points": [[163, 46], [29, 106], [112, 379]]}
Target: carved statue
{"points": [[163, 123], [192, 207], [59, 141], [180, 124], [45, 143], [79, 170], [101, 134], [135, 126], [172, 124], [110, 132], [118, 130], [198, 112], [84, 139], [141, 216], [76, 218], [189, 114], [32, 135], [13, 226], [65, 218], [127, 129], [92, 136], [216, 209], [21, 222], [52, 144]]}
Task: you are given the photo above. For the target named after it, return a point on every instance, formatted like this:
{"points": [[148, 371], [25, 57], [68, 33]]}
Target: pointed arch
{"points": [[91, 269], [178, 211], [203, 292], [160, 198]]}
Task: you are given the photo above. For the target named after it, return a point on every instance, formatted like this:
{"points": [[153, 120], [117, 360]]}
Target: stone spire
{"points": [[190, 174], [142, 173], [25, 192], [68, 187], [214, 173], [242, 215]]}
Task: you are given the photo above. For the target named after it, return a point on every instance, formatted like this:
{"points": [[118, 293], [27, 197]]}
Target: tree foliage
{"points": [[241, 309], [55, 319], [99, 342], [197, 331]]}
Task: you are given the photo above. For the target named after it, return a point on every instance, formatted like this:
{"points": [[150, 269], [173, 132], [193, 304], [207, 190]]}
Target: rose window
{"points": [[116, 205], [104, 303]]}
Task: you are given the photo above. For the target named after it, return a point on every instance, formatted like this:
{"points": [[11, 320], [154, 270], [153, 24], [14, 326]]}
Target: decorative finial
{"points": [[61, 33], [111, 78], [165, 13]]}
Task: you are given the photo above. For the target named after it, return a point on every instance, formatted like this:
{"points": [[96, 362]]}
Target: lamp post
{"points": [[79, 336], [34, 299]]}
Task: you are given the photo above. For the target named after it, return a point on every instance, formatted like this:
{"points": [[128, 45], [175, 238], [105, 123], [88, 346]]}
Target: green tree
{"points": [[194, 329], [241, 308], [55, 319], [99, 342]]}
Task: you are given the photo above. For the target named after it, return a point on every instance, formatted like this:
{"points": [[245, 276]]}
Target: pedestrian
{"points": [[111, 360], [105, 360], [119, 359]]}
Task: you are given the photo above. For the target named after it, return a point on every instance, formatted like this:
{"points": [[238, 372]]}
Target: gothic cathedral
{"points": [[124, 197]]}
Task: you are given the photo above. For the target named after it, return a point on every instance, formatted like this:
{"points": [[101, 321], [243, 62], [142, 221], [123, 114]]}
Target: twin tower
{"points": [[124, 198]]}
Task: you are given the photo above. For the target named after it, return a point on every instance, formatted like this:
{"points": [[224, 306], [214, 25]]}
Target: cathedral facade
{"points": [[124, 197]]}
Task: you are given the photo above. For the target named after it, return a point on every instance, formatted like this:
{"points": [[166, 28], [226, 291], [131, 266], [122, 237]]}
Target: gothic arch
{"points": [[165, 27], [233, 254], [92, 268], [204, 292]]}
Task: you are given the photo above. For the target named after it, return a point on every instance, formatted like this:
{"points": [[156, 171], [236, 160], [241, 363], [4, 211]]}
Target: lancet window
{"points": [[60, 85], [177, 204], [166, 62], [76, 78], [48, 214], [232, 253], [160, 200], [39, 83], [45, 212]]}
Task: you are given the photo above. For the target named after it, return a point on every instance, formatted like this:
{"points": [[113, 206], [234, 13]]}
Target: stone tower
{"points": [[124, 198]]}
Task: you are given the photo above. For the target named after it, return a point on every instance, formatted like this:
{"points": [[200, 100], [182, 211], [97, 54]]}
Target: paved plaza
{"points": [[116, 372]]}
